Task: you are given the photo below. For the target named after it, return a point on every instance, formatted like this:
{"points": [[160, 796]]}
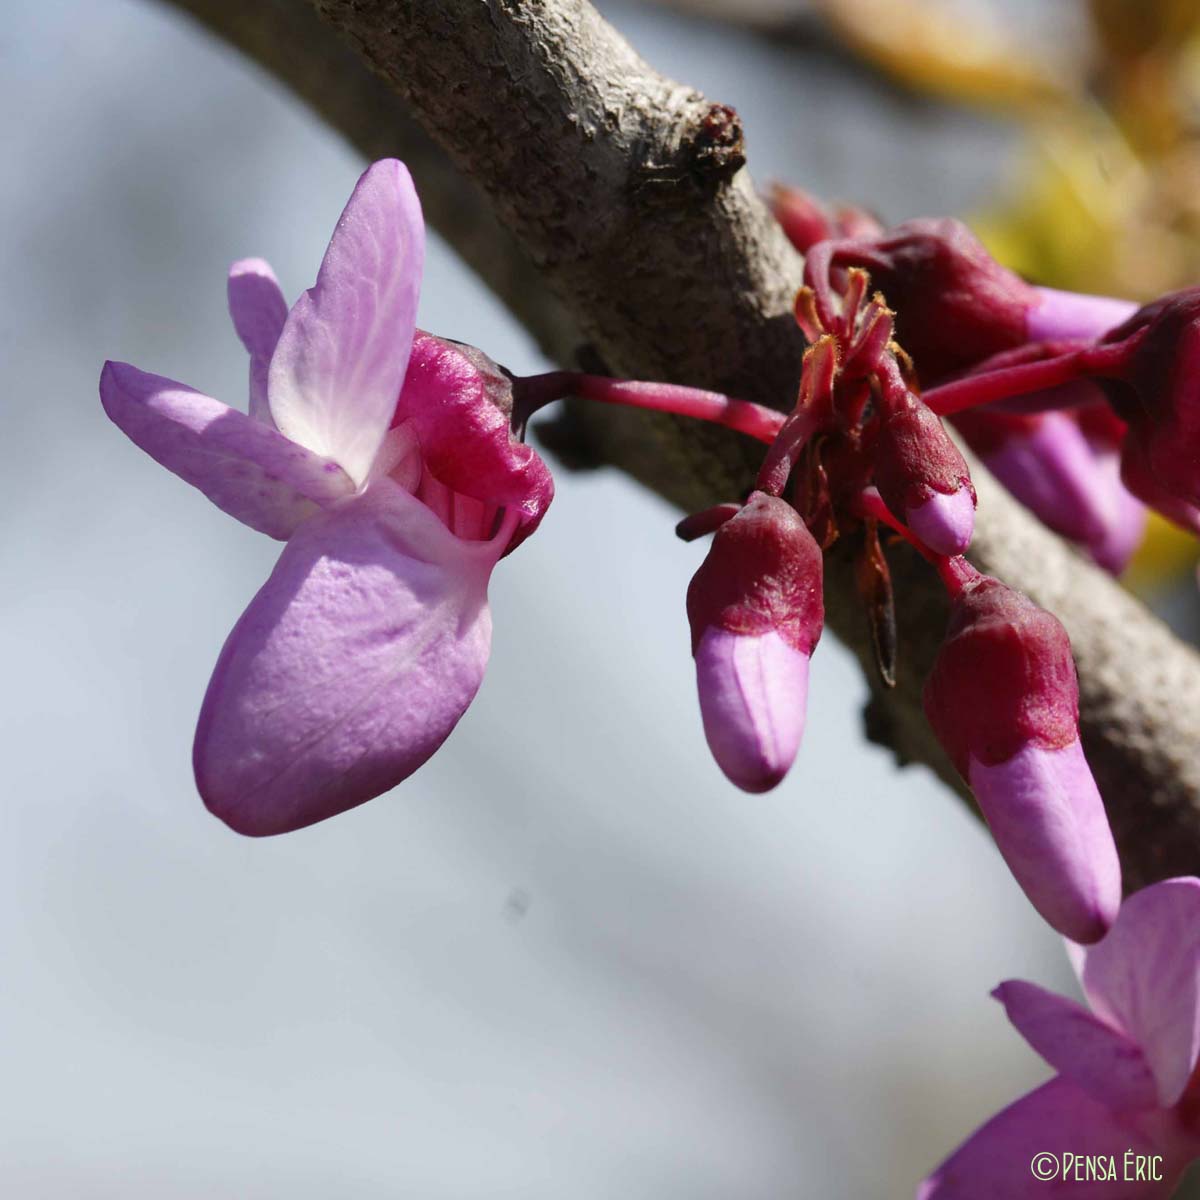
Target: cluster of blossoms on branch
{"points": [[1088, 409], [392, 464]]}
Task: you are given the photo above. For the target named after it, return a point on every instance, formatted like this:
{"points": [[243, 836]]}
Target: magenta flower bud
{"points": [[1004, 702], [756, 613], [1158, 393], [924, 479], [954, 304]]}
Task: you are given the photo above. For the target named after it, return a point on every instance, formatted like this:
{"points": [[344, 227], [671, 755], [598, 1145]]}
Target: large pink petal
{"points": [[1145, 978], [1056, 1129], [349, 668], [259, 310], [1109, 1066], [243, 466], [341, 358]]}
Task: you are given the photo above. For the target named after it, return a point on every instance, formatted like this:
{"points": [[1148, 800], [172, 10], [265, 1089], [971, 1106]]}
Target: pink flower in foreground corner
{"points": [[1121, 1119], [384, 457]]}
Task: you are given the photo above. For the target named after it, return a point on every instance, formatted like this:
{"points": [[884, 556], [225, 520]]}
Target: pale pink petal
{"points": [[1071, 483], [1145, 978], [243, 466], [1107, 1064], [1070, 316], [944, 522], [259, 310], [1049, 823], [1047, 464], [1056, 1129], [753, 700], [341, 358], [349, 668], [1125, 523]]}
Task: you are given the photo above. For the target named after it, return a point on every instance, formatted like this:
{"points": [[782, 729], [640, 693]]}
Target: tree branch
{"points": [[290, 40], [624, 189]]}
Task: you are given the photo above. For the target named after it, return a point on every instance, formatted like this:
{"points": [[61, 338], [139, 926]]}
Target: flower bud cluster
{"points": [[1086, 407], [862, 452]]}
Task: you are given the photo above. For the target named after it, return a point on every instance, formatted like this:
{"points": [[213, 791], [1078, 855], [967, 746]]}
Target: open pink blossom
{"points": [[384, 457], [1125, 1080]]}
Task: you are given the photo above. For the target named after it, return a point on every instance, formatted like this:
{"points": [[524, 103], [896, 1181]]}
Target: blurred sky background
{"points": [[565, 960]]}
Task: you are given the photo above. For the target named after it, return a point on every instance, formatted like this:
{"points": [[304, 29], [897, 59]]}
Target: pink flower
{"points": [[1066, 475], [756, 614], [383, 456], [1125, 1084], [1004, 702]]}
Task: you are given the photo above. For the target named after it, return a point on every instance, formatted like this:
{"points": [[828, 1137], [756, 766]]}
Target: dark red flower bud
{"points": [[954, 304], [1003, 700], [1004, 678], [756, 613], [1158, 393], [923, 478]]}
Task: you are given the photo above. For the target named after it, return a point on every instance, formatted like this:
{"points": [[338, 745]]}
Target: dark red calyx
{"points": [[915, 457], [1003, 678], [1159, 392], [1141, 480], [954, 304], [763, 572]]}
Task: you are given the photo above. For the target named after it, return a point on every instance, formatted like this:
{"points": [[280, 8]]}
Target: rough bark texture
{"points": [[624, 189]]}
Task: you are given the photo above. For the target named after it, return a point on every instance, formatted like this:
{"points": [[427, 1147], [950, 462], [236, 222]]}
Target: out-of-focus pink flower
{"points": [[1069, 480], [756, 614], [1004, 702], [1125, 1087], [385, 459]]}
